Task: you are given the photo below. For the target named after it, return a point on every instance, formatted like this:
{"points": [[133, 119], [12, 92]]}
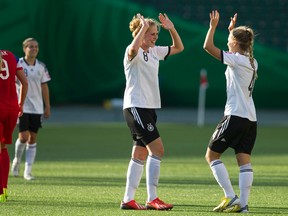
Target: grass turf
{"points": [[81, 170]]}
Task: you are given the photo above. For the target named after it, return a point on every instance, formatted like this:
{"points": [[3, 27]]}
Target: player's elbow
{"points": [[205, 47]]}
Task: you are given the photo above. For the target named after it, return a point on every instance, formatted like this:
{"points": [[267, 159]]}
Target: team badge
{"points": [[150, 127]]}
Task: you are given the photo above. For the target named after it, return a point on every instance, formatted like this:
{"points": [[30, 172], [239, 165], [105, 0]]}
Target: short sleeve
{"points": [[228, 58], [162, 52]]}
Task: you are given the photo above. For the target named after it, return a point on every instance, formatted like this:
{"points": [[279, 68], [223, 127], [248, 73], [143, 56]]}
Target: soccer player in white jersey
{"points": [[33, 110], [238, 128], [141, 99]]}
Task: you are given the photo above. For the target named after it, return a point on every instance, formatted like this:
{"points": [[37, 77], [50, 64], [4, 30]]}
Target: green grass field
{"points": [[81, 170]]}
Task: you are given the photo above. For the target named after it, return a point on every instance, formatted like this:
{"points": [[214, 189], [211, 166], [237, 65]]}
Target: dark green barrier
{"points": [[83, 43]]}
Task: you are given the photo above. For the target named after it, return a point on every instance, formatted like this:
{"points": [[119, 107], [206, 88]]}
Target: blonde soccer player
{"points": [[141, 100], [238, 128]]}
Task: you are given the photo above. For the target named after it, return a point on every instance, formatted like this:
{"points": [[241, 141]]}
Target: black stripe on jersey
{"points": [[169, 50]]}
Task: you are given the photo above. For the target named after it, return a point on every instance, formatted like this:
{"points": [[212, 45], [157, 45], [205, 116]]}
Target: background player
{"points": [[10, 109], [30, 122]]}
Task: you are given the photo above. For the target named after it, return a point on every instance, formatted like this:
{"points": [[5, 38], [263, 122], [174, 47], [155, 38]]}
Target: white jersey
{"points": [[142, 85], [239, 84], [36, 74]]}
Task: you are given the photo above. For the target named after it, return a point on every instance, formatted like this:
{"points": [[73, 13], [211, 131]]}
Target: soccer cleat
{"points": [[158, 204], [5, 192], [227, 203], [233, 208], [29, 177], [132, 205], [2, 198], [236, 208], [244, 209], [15, 168]]}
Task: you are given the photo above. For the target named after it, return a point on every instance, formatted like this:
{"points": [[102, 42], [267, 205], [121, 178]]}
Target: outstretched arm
{"points": [[209, 40], [177, 45], [137, 41]]}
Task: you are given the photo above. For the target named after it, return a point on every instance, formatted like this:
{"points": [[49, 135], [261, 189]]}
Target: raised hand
{"points": [[143, 21], [214, 18], [165, 21], [232, 22]]}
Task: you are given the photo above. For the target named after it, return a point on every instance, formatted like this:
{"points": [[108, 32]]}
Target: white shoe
{"points": [[15, 168], [29, 177]]}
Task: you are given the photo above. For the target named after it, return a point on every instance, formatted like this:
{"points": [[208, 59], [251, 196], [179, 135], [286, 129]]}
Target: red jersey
{"points": [[8, 93]]}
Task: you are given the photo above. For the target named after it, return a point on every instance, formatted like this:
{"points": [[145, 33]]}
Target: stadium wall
{"points": [[83, 43]]}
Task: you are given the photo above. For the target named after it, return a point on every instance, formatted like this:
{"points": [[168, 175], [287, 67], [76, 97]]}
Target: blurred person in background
{"points": [[34, 108], [141, 99], [10, 109], [238, 128]]}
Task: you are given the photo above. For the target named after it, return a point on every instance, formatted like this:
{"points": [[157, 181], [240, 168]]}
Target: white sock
{"points": [[30, 157], [19, 149], [245, 183], [152, 176], [134, 174], [222, 177]]}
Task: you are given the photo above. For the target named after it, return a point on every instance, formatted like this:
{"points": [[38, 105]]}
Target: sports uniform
{"points": [[10, 108], [142, 94], [37, 75], [238, 128], [33, 110], [141, 99], [8, 96]]}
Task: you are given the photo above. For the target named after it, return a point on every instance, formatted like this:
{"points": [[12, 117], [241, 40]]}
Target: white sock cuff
{"points": [[154, 157], [246, 168], [18, 142], [215, 162], [137, 161], [31, 145]]}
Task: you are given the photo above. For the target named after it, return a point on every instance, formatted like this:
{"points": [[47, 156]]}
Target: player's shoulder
{"points": [[21, 60], [40, 63], [6, 53]]}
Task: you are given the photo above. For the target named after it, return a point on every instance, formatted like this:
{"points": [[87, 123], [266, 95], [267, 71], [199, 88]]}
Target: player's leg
{"points": [[135, 167], [243, 155], [31, 151], [156, 152], [8, 129], [218, 143], [221, 175], [31, 147], [20, 144], [134, 175]]}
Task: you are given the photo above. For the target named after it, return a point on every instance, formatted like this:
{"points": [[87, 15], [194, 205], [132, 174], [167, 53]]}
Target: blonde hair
{"points": [[245, 38], [27, 40], [135, 25]]}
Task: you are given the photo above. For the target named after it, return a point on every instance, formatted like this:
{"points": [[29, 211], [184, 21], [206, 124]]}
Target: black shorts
{"points": [[142, 124], [30, 122], [234, 132]]}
